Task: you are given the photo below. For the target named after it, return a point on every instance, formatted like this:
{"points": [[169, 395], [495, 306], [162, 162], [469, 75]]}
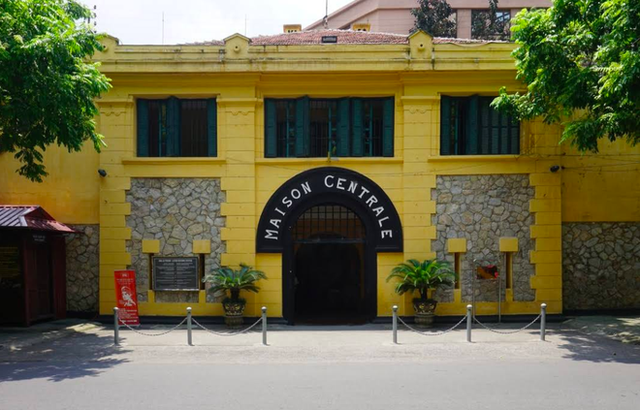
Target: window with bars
{"points": [[470, 126], [328, 222], [176, 127], [342, 127]]}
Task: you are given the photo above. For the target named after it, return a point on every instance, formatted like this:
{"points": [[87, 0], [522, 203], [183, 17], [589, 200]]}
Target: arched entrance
{"points": [[329, 223], [329, 258]]}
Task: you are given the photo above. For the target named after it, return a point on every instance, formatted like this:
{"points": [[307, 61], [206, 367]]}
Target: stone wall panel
{"points": [[482, 209], [83, 268], [601, 265], [175, 211]]}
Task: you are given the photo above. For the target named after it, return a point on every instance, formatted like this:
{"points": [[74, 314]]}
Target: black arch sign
{"points": [[330, 185]]}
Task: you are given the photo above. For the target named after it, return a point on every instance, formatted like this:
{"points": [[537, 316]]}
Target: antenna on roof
{"points": [[325, 21]]}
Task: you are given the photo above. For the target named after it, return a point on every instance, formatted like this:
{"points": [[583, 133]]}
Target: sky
{"points": [[140, 21]]}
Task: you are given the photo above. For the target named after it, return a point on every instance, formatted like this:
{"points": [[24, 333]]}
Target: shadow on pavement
{"points": [[81, 355], [596, 348]]}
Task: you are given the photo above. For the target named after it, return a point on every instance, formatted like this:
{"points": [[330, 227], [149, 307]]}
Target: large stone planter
{"points": [[424, 310], [233, 312]]}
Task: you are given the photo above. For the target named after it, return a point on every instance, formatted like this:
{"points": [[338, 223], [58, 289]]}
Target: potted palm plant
{"points": [[227, 282], [419, 276]]}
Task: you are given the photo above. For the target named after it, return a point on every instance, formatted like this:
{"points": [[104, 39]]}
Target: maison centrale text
{"points": [[331, 183]]}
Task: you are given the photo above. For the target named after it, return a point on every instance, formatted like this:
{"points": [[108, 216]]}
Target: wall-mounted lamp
{"points": [[102, 172]]}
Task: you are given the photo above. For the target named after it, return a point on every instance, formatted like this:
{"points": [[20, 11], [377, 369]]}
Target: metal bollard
{"points": [[116, 327], [395, 324], [543, 321], [189, 334], [264, 325], [469, 322]]}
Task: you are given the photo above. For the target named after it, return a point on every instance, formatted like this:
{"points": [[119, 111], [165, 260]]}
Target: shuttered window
{"points": [[344, 127], [176, 128], [469, 126]]}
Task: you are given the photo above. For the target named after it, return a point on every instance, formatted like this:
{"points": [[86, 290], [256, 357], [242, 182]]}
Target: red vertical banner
{"points": [[127, 297]]}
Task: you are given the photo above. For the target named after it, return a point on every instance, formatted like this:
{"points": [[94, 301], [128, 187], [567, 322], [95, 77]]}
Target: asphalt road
{"points": [[323, 370]]}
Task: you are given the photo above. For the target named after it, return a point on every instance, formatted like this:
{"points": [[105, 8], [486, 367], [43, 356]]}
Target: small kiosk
{"points": [[32, 265]]}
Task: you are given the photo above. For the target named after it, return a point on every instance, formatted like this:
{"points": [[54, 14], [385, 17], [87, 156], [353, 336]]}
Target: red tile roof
{"points": [[315, 37], [312, 37], [30, 217]]}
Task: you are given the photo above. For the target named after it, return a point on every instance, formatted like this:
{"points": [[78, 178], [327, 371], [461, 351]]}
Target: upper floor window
{"points": [[469, 126], [176, 127], [491, 24], [344, 127]]}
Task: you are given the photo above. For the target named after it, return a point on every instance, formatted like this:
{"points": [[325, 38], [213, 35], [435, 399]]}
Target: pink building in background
{"points": [[394, 16]]}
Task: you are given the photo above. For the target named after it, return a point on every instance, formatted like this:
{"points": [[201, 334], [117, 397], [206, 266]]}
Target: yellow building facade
{"points": [[548, 196]]}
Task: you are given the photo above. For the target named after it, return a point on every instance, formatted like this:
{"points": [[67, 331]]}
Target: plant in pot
{"points": [[414, 275], [227, 282]]}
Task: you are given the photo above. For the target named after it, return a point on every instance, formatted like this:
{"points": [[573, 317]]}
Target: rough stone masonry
{"points": [[482, 209], [175, 211], [83, 268], [601, 265]]}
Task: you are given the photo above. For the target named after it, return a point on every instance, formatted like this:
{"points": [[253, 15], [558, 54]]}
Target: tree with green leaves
{"points": [[435, 17], [47, 82], [580, 60], [491, 24]]}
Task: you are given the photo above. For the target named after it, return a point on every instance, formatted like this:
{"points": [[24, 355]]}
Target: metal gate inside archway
{"points": [[332, 272]]}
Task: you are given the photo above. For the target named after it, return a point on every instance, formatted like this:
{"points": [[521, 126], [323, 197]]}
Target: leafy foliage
{"points": [[226, 281], [47, 86], [581, 62], [490, 24], [421, 276], [435, 17]]}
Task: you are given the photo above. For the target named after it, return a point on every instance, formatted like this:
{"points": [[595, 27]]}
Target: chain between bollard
{"points": [[229, 333], [506, 332], [432, 333], [153, 334]]}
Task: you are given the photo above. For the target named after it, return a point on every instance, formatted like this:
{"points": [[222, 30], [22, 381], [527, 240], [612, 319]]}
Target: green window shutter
{"points": [[495, 131], [344, 126], [302, 127], [473, 133], [212, 128], [445, 125], [173, 127], [270, 129], [387, 127], [357, 140], [143, 128], [515, 136], [484, 127]]}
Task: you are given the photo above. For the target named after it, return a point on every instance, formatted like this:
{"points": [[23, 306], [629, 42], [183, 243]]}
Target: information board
{"points": [[127, 297], [175, 273]]}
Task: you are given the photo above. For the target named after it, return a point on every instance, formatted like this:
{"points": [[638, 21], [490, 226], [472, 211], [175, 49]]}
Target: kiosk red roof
{"points": [[30, 217]]}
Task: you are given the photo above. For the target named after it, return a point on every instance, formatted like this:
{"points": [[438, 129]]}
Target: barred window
{"points": [[470, 126], [343, 127], [176, 128]]}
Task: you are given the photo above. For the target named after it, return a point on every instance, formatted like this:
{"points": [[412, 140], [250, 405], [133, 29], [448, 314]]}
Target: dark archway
{"points": [[330, 269], [336, 187]]}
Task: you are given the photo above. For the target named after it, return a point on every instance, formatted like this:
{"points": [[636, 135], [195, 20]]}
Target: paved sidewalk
{"points": [[17, 338], [307, 367], [624, 329]]}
